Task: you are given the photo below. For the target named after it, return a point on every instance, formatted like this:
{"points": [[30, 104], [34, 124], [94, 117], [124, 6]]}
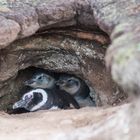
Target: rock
{"points": [[42, 15], [116, 123], [25, 15], [45, 124], [59, 54], [9, 31], [119, 19], [56, 13], [111, 16], [125, 64], [121, 123]]}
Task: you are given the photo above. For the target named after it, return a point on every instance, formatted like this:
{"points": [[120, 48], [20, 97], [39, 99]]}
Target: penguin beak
{"points": [[29, 82], [20, 104], [60, 83]]}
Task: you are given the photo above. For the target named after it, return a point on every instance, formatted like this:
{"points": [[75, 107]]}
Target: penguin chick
{"points": [[45, 81], [73, 85], [41, 99], [41, 80], [77, 88]]}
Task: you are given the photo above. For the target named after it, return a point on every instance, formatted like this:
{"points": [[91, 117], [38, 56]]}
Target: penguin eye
{"points": [[39, 78], [28, 97], [71, 81]]}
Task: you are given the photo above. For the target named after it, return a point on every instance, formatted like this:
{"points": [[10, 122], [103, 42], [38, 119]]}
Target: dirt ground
{"points": [[46, 125]]}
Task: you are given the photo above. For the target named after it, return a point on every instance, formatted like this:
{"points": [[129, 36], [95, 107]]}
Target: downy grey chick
{"points": [[47, 82], [77, 88]]}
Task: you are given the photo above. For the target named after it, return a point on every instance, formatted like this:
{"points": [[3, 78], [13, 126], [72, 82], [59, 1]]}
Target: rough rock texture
{"points": [[121, 123], [44, 124], [119, 19], [32, 15], [59, 54], [85, 124], [10, 33]]}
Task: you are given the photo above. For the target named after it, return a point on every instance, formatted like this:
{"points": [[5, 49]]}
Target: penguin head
{"points": [[69, 84], [41, 80], [32, 100]]}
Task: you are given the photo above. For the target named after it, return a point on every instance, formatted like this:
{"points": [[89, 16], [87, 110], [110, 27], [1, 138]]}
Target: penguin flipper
{"points": [[72, 101]]}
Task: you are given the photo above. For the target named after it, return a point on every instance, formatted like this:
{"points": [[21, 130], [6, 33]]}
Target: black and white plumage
{"points": [[47, 82], [43, 99]]}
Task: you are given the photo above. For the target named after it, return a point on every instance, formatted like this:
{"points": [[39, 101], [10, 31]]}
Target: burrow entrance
{"points": [[58, 54], [18, 89]]}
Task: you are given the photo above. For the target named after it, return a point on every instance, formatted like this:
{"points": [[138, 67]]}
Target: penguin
{"points": [[41, 80], [44, 99], [45, 81], [73, 85], [77, 88]]}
